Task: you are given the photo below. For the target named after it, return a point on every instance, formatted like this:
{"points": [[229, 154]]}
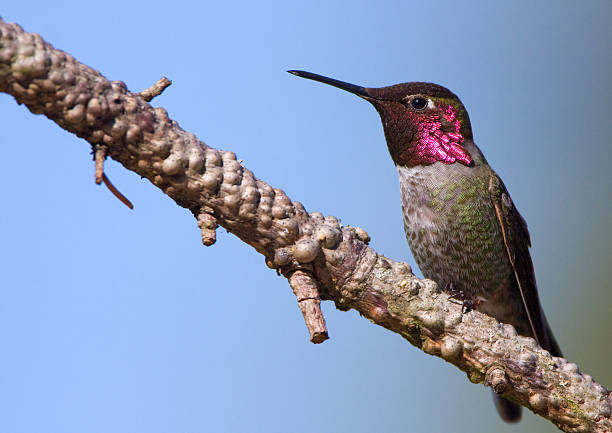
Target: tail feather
{"points": [[508, 411]]}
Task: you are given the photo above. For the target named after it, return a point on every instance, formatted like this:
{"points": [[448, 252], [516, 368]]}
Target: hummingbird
{"points": [[463, 228]]}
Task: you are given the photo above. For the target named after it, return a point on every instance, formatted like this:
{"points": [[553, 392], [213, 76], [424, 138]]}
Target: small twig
{"points": [[116, 192], [155, 90], [99, 157], [208, 224], [496, 378], [307, 294]]}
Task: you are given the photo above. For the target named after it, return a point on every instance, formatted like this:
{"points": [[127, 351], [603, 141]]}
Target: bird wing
{"points": [[516, 239]]}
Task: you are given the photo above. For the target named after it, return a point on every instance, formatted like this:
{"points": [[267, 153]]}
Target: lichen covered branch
{"points": [[321, 258]]}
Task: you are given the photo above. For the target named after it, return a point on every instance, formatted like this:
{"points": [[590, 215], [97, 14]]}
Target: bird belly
{"points": [[453, 233]]}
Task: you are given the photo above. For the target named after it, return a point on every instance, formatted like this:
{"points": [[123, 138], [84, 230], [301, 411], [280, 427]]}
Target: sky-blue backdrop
{"points": [[121, 321]]}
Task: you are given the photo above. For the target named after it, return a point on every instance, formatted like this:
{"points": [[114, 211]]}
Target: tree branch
{"points": [[321, 258]]}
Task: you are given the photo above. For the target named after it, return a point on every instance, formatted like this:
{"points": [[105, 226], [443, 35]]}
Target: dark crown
{"points": [[399, 91]]}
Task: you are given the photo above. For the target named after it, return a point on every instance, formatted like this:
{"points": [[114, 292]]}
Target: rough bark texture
{"points": [[321, 258]]}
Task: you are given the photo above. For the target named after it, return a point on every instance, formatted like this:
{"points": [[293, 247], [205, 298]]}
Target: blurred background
{"points": [[121, 321]]}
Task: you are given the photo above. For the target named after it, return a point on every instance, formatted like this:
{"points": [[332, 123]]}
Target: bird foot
{"points": [[459, 297]]}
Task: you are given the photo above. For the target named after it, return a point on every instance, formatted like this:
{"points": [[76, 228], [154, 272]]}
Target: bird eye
{"points": [[418, 103]]}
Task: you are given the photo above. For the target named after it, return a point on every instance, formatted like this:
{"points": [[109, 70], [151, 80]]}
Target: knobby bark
{"points": [[321, 259]]}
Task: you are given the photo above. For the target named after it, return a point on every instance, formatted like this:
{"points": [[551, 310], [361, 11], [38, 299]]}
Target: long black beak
{"points": [[357, 90]]}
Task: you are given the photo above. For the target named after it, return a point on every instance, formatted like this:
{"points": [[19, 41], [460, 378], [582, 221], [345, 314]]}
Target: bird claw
{"points": [[458, 297]]}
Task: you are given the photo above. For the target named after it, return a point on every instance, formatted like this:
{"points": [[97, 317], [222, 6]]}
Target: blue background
{"points": [[121, 321]]}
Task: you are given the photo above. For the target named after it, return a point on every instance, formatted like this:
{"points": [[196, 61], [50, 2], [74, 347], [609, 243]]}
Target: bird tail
{"points": [[508, 411]]}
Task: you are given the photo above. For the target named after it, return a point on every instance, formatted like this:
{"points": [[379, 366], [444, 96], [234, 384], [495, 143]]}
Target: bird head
{"points": [[424, 123]]}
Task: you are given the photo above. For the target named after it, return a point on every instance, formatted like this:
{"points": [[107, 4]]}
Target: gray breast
{"points": [[452, 228]]}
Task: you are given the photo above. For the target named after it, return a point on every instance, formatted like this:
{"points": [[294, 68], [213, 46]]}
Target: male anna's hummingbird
{"points": [[462, 227]]}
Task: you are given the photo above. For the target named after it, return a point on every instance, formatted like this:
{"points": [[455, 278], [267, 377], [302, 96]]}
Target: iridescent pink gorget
{"points": [[432, 144]]}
